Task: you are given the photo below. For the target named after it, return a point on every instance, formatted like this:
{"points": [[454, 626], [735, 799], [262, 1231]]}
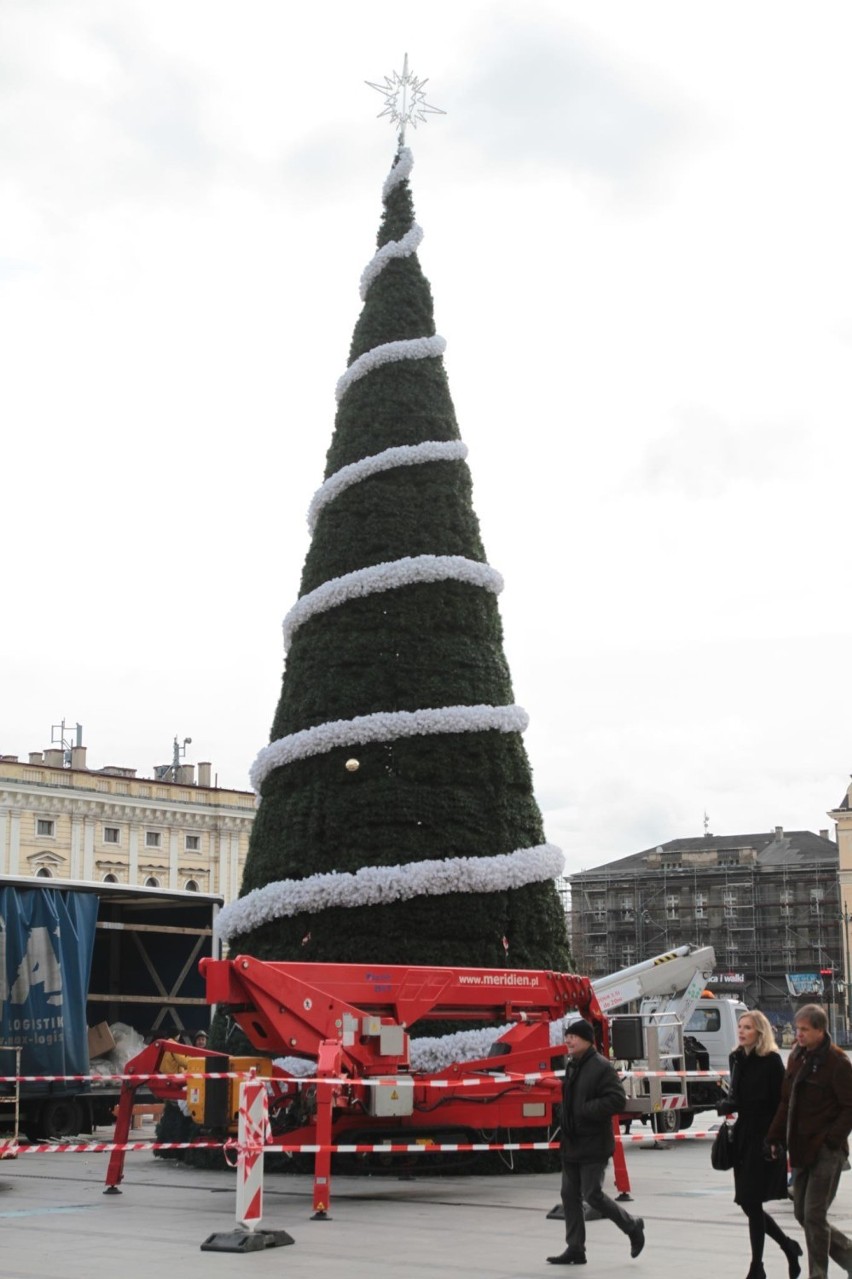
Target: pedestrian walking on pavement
{"points": [[814, 1118], [592, 1093], [757, 1073]]}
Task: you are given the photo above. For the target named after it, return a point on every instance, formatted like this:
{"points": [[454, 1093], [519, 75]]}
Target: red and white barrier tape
{"points": [[401, 1081], [341, 1148]]}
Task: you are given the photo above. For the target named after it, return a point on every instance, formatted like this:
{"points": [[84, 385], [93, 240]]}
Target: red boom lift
{"points": [[353, 1021]]}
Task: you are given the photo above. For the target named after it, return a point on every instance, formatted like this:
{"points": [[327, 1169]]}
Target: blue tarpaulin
{"points": [[46, 940]]}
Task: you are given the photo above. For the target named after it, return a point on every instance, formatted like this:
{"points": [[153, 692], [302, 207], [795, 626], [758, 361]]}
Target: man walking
{"points": [[814, 1118], [592, 1093]]}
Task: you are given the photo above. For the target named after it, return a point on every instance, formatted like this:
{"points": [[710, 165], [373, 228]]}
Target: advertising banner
{"points": [[800, 984], [46, 941]]}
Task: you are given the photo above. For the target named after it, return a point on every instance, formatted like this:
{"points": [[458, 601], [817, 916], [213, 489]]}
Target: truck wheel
{"points": [[59, 1118], [667, 1121]]}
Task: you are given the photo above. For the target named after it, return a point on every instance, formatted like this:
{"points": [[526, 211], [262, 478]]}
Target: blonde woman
{"points": [[757, 1073]]}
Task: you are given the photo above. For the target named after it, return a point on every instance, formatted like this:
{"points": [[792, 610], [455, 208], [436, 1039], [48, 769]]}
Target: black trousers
{"points": [[585, 1181]]}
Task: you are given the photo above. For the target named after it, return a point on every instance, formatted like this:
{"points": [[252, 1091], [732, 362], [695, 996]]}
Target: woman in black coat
{"points": [[757, 1072]]}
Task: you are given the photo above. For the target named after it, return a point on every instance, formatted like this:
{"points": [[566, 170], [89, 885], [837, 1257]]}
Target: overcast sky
{"points": [[637, 232]]}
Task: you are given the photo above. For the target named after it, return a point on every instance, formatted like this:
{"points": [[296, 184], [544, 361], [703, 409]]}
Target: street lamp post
{"points": [[841, 978]]}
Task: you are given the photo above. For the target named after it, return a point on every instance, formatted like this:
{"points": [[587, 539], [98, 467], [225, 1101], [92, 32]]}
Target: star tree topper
{"points": [[405, 99]]}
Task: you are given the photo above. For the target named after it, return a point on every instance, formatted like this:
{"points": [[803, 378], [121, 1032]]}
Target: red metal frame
{"points": [[353, 1021]]}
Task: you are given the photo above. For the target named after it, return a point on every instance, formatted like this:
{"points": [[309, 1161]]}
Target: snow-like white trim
{"points": [[387, 460], [433, 1053], [387, 353], [403, 248], [385, 726], [388, 577], [438, 1052], [400, 171], [302, 1067], [378, 885]]}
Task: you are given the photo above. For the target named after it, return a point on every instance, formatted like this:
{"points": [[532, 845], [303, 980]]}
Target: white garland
{"points": [[432, 1054], [400, 171], [387, 353], [388, 577], [403, 248], [379, 885], [300, 1066], [437, 1053], [384, 726], [387, 460]]}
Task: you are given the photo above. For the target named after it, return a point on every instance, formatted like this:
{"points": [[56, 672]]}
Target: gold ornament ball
{"points": [[352, 765]]}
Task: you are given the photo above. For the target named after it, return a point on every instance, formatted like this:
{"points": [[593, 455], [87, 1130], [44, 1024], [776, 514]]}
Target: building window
{"points": [[700, 905], [153, 839], [599, 956], [628, 956], [627, 908], [45, 827], [44, 872], [597, 909], [112, 835], [817, 896], [192, 843], [152, 882], [786, 897], [729, 901], [191, 886], [786, 911], [672, 905], [110, 878]]}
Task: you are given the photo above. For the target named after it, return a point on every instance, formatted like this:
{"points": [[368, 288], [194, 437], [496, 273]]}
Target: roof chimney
{"points": [[824, 834], [204, 771], [779, 832], [186, 774], [54, 758], [36, 757], [78, 757]]}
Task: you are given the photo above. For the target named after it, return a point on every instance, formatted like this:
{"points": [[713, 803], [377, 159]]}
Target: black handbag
{"points": [[722, 1150]]}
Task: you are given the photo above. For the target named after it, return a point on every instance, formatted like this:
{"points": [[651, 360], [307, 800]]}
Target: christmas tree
{"points": [[396, 821]]}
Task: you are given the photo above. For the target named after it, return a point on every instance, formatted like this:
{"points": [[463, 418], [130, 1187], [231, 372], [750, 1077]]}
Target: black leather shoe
{"points": [[568, 1258], [637, 1237]]}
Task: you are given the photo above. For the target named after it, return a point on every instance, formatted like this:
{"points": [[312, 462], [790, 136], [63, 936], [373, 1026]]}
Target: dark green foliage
{"points": [[416, 510], [419, 646]]}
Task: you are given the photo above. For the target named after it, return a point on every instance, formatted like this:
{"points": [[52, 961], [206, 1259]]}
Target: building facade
{"points": [[58, 818], [769, 905]]}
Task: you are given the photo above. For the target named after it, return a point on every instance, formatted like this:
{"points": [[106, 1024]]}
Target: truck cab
{"points": [[714, 1025]]}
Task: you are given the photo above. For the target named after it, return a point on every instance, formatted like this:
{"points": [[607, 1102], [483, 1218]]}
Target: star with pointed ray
{"points": [[405, 99]]}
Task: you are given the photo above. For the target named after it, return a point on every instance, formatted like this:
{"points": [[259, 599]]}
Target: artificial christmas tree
{"points": [[396, 821]]}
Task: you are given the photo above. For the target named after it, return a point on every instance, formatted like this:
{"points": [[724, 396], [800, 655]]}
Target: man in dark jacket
{"points": [[591, 1095], [814, 1118]]}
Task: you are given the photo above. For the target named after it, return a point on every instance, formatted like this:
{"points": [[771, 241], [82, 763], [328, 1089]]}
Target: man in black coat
{"points": [[591, 1095]]}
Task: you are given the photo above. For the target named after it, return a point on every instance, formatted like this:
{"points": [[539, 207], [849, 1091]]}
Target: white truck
{"points": [[677, 1027]]}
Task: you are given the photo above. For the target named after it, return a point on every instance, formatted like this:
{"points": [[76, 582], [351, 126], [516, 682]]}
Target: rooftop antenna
{"points": [[405, 99], [58, 738], [706, 823], [169, 772]]}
